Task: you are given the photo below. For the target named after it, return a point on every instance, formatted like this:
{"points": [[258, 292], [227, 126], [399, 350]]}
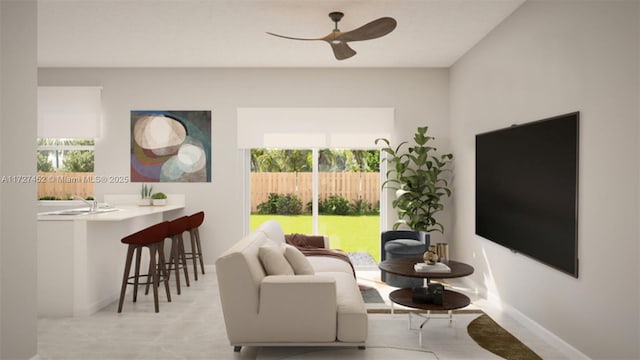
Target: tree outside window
{"points": [[65, 168], [68, 155]]}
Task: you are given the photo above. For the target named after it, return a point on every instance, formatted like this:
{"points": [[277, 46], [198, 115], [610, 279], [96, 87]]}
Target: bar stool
{"points": [[177, 259], [195, 221], [151, 237]]}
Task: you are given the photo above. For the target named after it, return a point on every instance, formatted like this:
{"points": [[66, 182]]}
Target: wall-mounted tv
{"points": [[527, 189]]}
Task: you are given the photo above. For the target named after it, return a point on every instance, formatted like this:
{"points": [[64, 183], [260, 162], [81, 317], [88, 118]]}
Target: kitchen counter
{"points": [[117, 213], [81, 259]]}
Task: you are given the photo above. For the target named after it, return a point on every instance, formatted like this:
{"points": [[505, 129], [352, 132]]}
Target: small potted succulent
{"points": [[159, 198], [145, 195]]}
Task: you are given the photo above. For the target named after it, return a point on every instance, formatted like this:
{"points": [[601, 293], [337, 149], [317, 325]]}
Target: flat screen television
{"points": [[527, 189]]}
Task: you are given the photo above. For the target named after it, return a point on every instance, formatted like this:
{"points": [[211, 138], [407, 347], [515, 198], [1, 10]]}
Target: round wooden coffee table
{"points": [[451, 300], [404, 267]]}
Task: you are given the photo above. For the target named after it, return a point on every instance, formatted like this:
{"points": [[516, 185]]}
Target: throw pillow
{"points": [[297, 260], [273, 261]]}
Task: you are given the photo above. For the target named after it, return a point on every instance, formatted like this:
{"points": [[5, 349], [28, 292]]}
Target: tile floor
{"points": [[192, 327]]}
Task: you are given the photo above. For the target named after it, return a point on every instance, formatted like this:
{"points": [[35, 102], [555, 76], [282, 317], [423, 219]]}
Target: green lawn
{"points": [[348, 233]]}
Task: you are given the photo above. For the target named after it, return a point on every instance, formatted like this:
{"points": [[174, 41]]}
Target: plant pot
{"points": [[159, 202], [145, 202]]}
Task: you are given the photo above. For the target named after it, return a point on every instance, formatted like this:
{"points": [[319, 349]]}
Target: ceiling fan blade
{"points": [[341, 50], [293, 38], [375, 29]]}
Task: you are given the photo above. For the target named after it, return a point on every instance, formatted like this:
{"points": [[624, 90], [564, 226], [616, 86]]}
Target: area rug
{"points": [[491, 336], [370, 295], [390, 337], [370, 353], [435, 312], [362, 259]]}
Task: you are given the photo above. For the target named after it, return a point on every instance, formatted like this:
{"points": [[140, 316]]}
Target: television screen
{"points": [[527, 189]]}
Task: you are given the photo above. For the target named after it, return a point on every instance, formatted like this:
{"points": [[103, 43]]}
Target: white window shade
{"points": [[69, 111], [295, 128]]}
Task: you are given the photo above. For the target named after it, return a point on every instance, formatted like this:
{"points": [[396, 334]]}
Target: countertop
{"points": [[123, 212]]}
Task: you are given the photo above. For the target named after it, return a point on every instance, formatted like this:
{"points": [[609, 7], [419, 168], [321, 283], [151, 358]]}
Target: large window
{"points": [[68, 121], [331, 136], [344, 186], [65, 167]]}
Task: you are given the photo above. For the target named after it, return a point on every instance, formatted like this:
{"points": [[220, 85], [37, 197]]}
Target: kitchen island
{"points": [[81, 259]]}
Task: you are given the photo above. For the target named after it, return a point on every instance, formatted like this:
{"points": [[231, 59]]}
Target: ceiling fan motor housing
{"points": [[336, 16]]}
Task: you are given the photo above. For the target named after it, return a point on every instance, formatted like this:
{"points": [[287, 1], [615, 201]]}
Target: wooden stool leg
{"points": [[174, 257], [125, 277], [146, 288], [193, 255], [170, 262], [183, 259], [199, 246], [163, 268], [136, 277], [153, 248]]}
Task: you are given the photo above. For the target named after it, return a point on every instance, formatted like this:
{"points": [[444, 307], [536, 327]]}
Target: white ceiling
{"points": [[231, 33]]}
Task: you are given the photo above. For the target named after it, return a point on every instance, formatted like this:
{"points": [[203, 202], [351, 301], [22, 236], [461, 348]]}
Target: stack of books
{"points": [[437, 267]]}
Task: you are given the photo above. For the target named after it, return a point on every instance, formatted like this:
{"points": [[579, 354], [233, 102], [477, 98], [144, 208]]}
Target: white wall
{"points": [[419, 96], [18, 326], [546, 59], [638, 185]]}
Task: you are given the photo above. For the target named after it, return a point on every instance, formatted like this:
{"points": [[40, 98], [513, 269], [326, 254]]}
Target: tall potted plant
{"points": [[418, 175]]}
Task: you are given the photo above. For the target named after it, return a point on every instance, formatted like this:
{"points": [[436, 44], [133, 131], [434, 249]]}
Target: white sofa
{"points": [[323, 309]]}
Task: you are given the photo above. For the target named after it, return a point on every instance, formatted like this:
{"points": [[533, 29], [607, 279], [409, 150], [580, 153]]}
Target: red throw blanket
{"points": [[313, 245]]}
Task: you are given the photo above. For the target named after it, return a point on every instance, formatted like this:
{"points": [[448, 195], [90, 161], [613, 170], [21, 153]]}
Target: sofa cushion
{"points": [[273, 260], [329, 264], [297, 260], [352, 313]]}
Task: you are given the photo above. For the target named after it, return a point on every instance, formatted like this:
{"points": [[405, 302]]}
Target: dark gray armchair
{"points": [[402, 244]]}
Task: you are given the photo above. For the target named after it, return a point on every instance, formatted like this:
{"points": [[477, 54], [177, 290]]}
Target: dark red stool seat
{"points": [[152, 238], [195, 221]]}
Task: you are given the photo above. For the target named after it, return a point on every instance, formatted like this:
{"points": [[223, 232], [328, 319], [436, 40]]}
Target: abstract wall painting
{"points": [[170, 146]]}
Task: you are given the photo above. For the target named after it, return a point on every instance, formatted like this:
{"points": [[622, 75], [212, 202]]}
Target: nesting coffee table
{"points": [[451, 300]]}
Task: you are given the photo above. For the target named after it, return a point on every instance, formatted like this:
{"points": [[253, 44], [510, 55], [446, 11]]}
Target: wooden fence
{"points": [[352, 186], [64, 184]]}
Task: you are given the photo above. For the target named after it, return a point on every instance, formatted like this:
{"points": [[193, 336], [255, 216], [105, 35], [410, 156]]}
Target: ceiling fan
{"points": [[338, 39]]}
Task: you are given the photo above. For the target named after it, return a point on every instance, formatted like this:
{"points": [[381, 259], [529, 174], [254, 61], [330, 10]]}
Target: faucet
{"points": [[93, 205]]}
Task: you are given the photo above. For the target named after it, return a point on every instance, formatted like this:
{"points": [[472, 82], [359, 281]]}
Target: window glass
{"points": [[281, 188], [65, 167], [348, 195], [348, 198]]}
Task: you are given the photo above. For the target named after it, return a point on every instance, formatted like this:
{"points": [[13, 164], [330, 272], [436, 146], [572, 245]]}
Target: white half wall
{"points": [[550, 58], [418, 96]]}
